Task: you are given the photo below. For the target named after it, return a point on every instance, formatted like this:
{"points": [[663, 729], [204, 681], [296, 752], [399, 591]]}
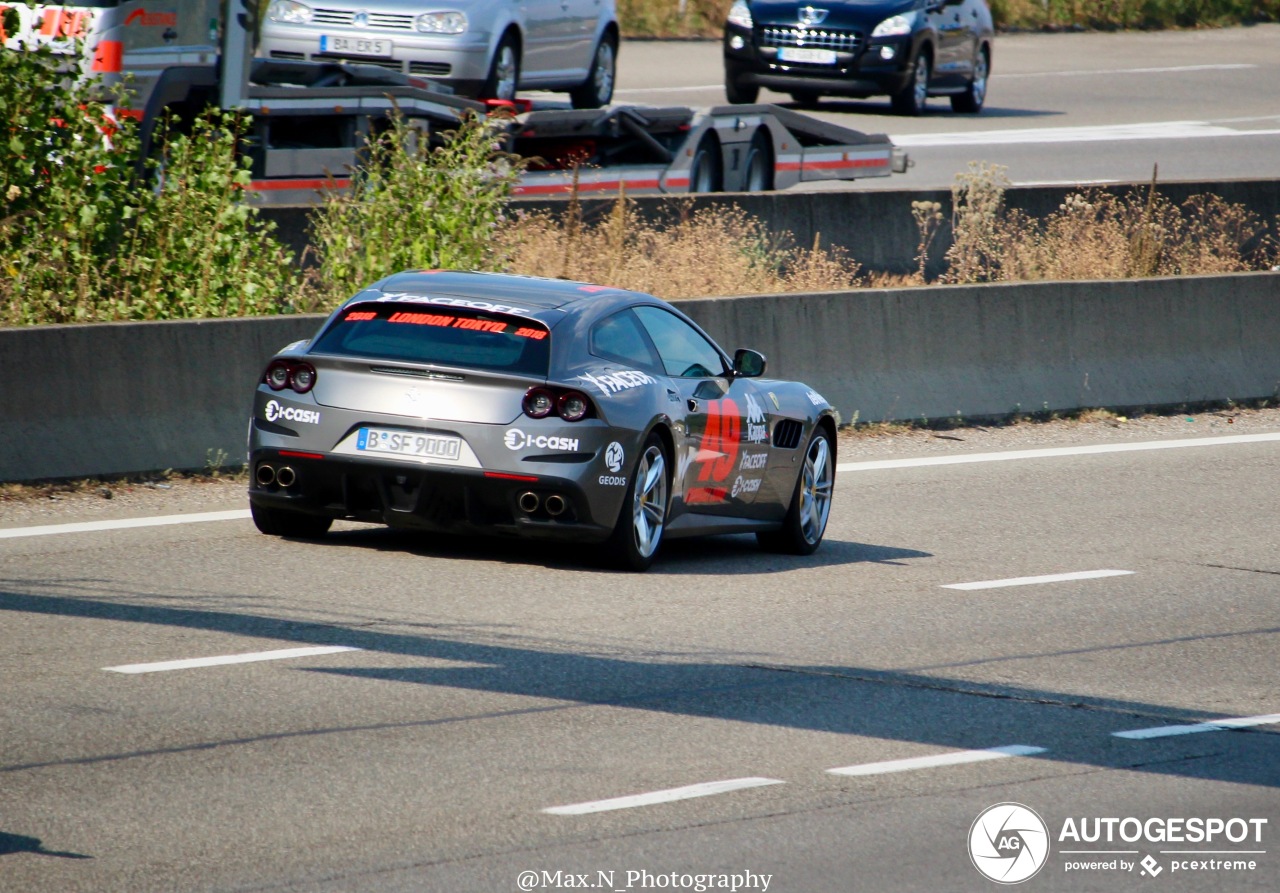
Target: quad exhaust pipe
{"points": [[555, 505], [528, 502], [286, 477], [265, 476]]}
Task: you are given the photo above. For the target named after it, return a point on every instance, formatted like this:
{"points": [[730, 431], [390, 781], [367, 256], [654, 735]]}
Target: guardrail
{"points": [[117, 398]]}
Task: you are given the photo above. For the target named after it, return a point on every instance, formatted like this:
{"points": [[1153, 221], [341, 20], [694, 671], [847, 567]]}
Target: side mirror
{"points": [[748, 363]]}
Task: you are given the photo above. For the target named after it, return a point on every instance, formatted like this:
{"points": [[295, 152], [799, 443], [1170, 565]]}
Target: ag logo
{"points": [[1008, 843], [613, 457]]}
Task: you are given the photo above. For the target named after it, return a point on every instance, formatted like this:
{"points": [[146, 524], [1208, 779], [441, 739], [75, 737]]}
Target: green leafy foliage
{"points": [[90, 231], [416, 202]]}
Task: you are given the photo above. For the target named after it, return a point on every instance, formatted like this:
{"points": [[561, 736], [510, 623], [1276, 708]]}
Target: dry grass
{"points": [[1098, 235], [709, 252]]}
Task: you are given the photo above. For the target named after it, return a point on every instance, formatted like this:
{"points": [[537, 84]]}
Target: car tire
{"points": [[912, 98], [638, 532], [282, 522], [504, 71], [805, 98], [737, 91], [971, 100], [806, 521], [597, 90]]}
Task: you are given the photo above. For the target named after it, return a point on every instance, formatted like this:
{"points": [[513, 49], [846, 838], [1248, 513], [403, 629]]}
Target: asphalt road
{"points": [[493, 682], [1062, 108]]}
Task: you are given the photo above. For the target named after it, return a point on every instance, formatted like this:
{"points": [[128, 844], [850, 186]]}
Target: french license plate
{"points": [[355, 46], [407, 443], [805, 54]]}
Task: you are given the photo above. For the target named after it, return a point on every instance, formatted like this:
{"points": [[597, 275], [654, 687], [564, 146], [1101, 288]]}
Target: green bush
{"points": [[89, 231], [416, 203]]}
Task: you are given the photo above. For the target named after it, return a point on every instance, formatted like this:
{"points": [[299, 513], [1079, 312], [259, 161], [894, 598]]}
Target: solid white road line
{"points": [[1033, 581], [1159, 130], [223, 660], [1057, 452], [123, 524], [942, 759], [1107, 72], [1217, 725], [706, 789]]}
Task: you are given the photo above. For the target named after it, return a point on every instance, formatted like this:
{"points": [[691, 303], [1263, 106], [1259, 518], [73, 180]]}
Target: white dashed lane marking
{"points": [[1036, 581], [689, 792], [1217, 725], [942, 759], [223, 660]]}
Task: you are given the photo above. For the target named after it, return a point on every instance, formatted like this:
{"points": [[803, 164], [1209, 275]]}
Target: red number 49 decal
{"points": [[720, 441]]}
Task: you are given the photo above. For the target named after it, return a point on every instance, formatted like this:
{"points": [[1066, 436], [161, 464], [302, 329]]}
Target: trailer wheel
{"points": [[704, 173], [759, 164], [504, 70]]}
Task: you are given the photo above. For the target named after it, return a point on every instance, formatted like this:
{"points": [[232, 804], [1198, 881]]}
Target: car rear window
{"points": [[447, 336]]}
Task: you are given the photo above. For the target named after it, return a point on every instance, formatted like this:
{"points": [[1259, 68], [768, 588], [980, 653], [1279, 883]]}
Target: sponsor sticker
{"points": [[757, 428], [515, 439], [612, 382], [614, 457], [611, 480], [815, 398], [753, 461], [274, 411], [447, 301], [743, 486]]}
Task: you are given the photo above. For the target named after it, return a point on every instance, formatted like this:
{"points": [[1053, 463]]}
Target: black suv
{"points": [[907, 49]]}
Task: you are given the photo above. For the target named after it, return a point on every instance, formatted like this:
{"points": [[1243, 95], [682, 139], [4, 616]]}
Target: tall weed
{"points": [[416, 202], [712, 251], [1099, 235]]}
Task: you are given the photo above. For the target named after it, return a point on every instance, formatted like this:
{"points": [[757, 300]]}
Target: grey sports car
{"points": [[487, 403]]}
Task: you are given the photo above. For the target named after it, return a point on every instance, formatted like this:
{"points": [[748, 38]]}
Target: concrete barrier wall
{"points": [[83, 400], [128, 397], [875, 227]]}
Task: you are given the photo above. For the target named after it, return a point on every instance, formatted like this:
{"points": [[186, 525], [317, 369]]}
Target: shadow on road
{"points": [[20, 843], [923, 707], [938, 107], [720, 555]]}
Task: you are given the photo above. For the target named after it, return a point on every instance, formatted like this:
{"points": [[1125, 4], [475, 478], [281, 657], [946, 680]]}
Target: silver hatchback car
{"points": [[481, 48]]}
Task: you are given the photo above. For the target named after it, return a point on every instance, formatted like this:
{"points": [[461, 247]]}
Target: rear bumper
{"points": [[446, 500]]}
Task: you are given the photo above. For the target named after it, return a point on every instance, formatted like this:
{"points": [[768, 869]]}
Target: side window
{"points": [[684, 351], [620, 338]]}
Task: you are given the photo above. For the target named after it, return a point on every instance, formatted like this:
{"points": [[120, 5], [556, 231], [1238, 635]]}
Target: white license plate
{"points": [[407, 443], [805, 54], [355, 46]]}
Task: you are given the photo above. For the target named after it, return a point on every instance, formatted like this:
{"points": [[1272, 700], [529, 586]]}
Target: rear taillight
{"points": [[573, 406], [281, 374], [570, 405], [539, 403]]}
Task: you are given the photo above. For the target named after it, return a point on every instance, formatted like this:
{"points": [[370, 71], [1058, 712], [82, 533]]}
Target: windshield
{"points": [[447, 336]]}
